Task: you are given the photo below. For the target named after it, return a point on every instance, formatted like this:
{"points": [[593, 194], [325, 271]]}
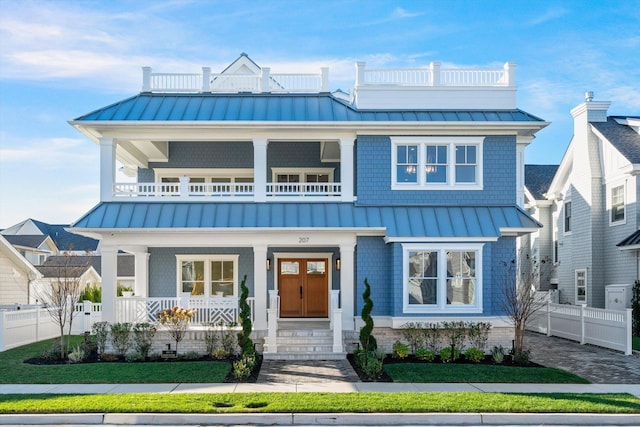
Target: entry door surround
{"points": [[303, 293]]}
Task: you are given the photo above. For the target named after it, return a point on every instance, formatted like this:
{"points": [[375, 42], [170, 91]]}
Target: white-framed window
{"points": [[207, 275], [436, 163], [617, 205], [442, 278], [301, 175], [581, 286], [567, 217], [201, 175]]}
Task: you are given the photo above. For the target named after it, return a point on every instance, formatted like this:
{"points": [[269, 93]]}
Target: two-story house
{"points": [[413, 181], [595, 219]]}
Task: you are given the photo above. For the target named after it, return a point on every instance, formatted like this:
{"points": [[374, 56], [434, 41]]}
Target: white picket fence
{"points": [[587, 325], [25, 326]]}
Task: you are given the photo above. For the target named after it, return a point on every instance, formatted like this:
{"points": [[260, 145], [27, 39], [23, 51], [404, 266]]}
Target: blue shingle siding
{"points": [[237, 154], [297, 155], [374, 176], [162, 267], [374, 262], [495, 274]]}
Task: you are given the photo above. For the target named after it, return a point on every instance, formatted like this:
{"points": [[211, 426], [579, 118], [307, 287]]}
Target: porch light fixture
{"points": [[338, 264], [268, 264]]}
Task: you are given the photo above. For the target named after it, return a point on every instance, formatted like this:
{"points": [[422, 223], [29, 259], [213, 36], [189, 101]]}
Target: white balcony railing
{"points": [[436, 76], [242, 191], [233, 83], [304, 189]]}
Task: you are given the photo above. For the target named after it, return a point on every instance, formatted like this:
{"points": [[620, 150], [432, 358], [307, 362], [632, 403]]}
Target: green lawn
{"points": [[14, 371], [321, 402], [635, 343], [459, 373]]}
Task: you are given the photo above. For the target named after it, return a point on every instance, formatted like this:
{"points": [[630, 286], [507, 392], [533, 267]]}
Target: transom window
{"points": [[442, 278], [617, 204], [197, 176], [434, 163], [208, 275], [301, 175]]}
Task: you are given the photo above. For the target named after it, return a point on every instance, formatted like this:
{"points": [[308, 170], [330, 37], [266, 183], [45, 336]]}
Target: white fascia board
{"points": [[517, 231], [185, 130], [440, 239], [629, 248], [181, 237]]}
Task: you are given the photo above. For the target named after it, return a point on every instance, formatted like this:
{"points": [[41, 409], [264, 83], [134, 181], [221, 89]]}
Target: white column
{"points": [[434, 69], [260, 286], [346, 169], [260, 169], [107, 168], [206, 79], [265, 77], [510, 71], [521, 143], [360, 66], [324, 79], [347, 288], [141, 260], [146, 79], [109, 272]]}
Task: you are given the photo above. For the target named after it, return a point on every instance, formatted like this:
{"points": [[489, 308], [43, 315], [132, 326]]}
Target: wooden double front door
{"points": [[303, 287]]}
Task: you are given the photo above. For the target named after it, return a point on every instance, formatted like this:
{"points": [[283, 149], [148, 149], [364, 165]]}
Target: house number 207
{"points": [[303, 240]]}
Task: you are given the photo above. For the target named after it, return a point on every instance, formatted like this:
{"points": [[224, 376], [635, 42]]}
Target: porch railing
{"points": [[145, 190], [208, 310]]}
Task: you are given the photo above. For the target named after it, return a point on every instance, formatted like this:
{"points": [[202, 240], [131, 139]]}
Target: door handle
{"points": [[300, 292]]}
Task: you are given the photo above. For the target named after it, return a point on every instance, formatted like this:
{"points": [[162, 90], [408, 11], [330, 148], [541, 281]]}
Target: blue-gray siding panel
{"points": [[374, 176], [374, 263]]}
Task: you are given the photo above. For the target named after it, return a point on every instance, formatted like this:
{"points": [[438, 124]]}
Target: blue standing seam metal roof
{"points": [[431, 221], [322, 107]]}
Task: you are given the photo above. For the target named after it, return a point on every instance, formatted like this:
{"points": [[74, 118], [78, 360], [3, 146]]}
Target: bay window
{"points": [[208, 275], [441, 278], [437, 163]]}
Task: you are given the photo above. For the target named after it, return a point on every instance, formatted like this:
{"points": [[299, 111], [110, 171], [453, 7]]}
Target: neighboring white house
{"points": [[35, 248], [62, 239], [16, 275], [593, 201]]}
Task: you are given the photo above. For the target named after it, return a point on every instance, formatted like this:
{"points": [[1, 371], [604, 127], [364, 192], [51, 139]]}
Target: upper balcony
{"points": [[431, 87]]}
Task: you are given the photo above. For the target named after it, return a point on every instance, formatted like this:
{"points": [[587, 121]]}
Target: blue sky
{"points": [[61, 59]]}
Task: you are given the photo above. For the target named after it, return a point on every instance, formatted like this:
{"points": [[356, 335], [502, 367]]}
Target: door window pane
{"points": [[316, 267], [289, 267]]}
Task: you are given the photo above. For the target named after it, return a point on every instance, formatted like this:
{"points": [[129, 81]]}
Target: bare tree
{"points": [[65, 275], [520, 299]]}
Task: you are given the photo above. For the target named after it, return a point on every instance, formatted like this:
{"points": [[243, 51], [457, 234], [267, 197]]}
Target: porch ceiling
{"points": [[399, 221]]}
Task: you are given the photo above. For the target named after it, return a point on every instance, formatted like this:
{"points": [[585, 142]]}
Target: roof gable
{"points": [[622, 137], [10, 252], [538, 178]]}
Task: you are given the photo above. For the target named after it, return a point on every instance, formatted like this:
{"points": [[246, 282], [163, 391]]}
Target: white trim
{"points": [[429, 240], [610, 203], [301, 171], [441, 306], [586, 285], [451, 142], [206, 258], [160, 173]]}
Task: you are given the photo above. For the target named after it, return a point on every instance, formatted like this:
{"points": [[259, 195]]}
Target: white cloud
{"points": [[549, 15], [400, 13]]}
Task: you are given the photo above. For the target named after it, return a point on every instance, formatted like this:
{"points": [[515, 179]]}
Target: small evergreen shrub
{"points": [[191, 355], [242, 368], [425, 355], [635, 307], [522, 357], [474, 355], [143, 334], [371, 363], [412, 332], [399, 350], [120, 338], [101, 331], [91, 293], [78, 355], [134, 357], [244, 341], [449, 356], [497, 354], [367, 340]]}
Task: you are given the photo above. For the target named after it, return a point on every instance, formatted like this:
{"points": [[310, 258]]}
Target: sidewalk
{"points": [[325, 387]]}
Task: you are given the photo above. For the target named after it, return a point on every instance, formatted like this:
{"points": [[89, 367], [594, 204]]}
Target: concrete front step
{"points": [[305, 333], [304, 356]]}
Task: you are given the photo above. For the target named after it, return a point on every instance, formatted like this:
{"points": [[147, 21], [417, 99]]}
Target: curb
{"points": [[289, 419]]}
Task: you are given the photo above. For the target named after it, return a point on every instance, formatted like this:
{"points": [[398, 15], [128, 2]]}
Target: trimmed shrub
{"points": [[425, 355], [400, 350], [367, 340]]}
